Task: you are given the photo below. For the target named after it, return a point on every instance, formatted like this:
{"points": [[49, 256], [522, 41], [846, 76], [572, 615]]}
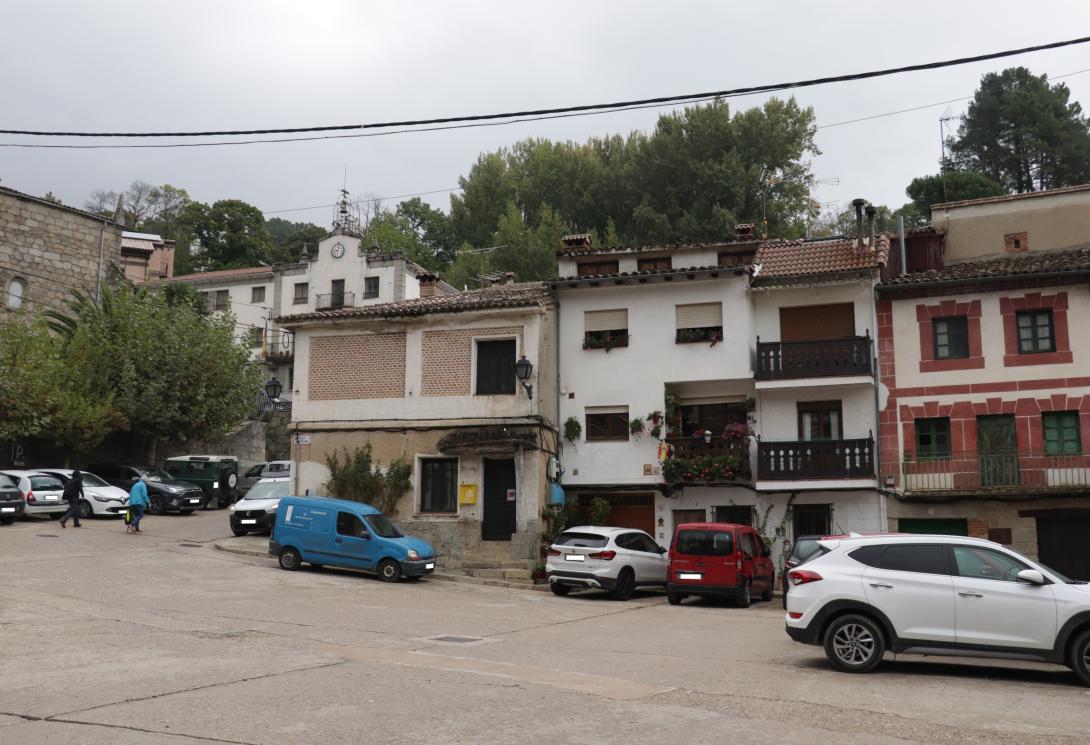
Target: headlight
{"points": [[271, 510], [413, 556], [100, 498]]}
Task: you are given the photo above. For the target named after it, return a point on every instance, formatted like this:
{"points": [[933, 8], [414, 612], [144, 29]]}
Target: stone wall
{"points": [[53, 250], [247, 443], [277, 436]]}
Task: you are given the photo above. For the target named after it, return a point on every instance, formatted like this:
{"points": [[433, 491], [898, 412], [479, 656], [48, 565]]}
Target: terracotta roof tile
{"points": [[650, 273], [1011, 197], [517, 295], [583, 250], [798, 258], [1037, 262], [257, 271]]}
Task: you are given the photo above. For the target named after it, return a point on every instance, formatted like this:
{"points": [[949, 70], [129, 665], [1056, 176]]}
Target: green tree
{"points": [[1023, 134], [292, 240], [232, 235], [360, 479], [925, 191], [434, 232]]}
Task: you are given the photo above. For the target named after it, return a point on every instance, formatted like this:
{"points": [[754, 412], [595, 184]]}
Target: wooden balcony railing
{"points": [[334, 300], [784, 360], [696, 447], [1014, 471], [816, 459]]}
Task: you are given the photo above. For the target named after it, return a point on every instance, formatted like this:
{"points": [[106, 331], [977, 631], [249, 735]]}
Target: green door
{"points": [[997, 449], [934, 526]]}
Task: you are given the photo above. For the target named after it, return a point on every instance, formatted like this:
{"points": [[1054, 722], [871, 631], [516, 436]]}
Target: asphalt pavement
{"points": [[108, 637]]}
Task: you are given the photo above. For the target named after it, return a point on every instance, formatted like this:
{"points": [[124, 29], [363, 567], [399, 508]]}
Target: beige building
{"points": [[146, 257], [985, 377], [432, 380]]}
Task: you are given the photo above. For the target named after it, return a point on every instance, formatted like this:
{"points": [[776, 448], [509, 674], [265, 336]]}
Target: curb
{"points": [[240, 550]]}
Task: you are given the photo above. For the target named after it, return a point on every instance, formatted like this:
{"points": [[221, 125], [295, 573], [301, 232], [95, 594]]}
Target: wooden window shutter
{"points": [[699, 315], [817, 322], [605, 320]]}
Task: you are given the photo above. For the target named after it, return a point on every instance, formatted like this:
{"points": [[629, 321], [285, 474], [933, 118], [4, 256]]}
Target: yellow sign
{"points": [[467, 494]]}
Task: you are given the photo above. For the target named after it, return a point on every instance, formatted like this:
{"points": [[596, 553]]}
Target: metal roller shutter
{"points": [[817, 322], [699, 315], [605, 320]]}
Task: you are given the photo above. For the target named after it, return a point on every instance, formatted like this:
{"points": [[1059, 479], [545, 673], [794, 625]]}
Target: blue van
{"points": [[323, 530]]}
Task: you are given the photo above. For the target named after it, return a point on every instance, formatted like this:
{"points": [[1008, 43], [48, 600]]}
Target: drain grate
{"points": [[191, 545], [455, 639], [48, 535]]}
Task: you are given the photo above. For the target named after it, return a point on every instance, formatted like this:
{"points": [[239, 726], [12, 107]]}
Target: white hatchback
{"points": [[614, 559], [42, 493], [100, 499], [936, 595]]}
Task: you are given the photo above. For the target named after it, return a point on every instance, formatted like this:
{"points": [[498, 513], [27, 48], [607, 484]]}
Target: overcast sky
{"points": [[135, 65]]}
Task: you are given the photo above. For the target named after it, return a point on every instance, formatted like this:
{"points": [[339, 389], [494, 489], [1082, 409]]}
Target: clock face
{"points": [[337, 250]]}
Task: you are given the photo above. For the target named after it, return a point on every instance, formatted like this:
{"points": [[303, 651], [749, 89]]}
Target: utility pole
{"points": [[942, 144]]}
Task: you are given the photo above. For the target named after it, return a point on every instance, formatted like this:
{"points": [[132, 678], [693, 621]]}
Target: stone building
{"points": [[47, 250]]}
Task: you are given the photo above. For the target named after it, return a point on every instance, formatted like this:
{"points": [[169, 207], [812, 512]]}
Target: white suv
{"points": [[614, 559], [936, 595]]}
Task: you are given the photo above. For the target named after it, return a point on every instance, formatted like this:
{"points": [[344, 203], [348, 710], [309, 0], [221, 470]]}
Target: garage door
{"points": [[934, 526], [1062, 544], [632, 511]]}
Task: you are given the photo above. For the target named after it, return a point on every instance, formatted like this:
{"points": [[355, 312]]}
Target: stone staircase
{"points": [[491, 563]]}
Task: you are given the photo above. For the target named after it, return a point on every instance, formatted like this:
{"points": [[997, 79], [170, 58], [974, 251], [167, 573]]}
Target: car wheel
{"points": [[559, 589], [674, 598], [854, 644], [626, 585], [85, 510], [767, 594], [290, 559], [239, 532], [389, 570], [1080, 656], [746, 597], [155, 504]]}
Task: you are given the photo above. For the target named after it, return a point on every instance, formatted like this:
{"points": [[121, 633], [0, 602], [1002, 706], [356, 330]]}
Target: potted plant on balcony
{"points": [[655, 417], [572, 430], [737, 431], [635, 427]]}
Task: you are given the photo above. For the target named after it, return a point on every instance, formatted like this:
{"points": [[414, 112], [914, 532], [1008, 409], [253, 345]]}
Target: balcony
{"points": [[1017, 473], [792, 360], [815, 460], [335, 300], [728, 457], [279, 346]]}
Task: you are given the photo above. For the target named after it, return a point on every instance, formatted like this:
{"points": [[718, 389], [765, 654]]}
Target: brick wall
{"points": [[447, 358], [54, 250], [357, 366]]}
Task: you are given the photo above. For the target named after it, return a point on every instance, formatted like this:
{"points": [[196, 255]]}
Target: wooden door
{"points": [[498, 523], [817, 322], [997, 448]]}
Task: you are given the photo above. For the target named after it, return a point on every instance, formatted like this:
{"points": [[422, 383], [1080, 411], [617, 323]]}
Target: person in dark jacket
{"points": [[73, 493]]}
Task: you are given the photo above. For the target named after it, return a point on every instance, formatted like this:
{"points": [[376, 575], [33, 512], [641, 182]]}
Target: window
{"points": [[1035, 333], [737, 514], [301, 291], [496, 367], [581, 540], [370, 287], [607, 425], [255, 472], [590, 268], [16, 293], [646, 543], [951, 337], [605, 329], [699, 322], [983, 563], [1016, 242], [255, 337], [221, 299], [868, 555], [351, 525], [438, 484], [710, 417], [819, 420], [927, 558], [1062, 432], [749, 545], [657, 264], [932, 438], [810, 519], [257, 294], [705, 543]]}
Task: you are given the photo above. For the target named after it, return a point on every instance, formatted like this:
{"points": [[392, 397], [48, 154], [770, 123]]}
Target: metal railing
{"points": [[696, 447], [334, 300], [279, 346], [816, 459], [784, 360], [1027, 470]]}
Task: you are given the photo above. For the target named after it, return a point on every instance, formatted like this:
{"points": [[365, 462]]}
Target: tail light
{"points": [[738, 564], [551, 552], [604, 555], [795, 616], [803, 576], [30, 497]]}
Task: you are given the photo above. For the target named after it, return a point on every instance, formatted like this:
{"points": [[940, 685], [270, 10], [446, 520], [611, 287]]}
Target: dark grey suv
{"points": [[164, 493]]}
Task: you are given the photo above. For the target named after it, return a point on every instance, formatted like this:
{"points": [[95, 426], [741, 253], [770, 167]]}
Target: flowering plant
{"points": [[737, 431], [705, 469]]}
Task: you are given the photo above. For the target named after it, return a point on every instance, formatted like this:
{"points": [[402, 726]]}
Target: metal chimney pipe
{"points": [[858, 204], [871, 212]]}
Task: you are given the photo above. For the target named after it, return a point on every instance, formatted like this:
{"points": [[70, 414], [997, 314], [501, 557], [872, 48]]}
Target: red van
{"points": [[719, 560]]}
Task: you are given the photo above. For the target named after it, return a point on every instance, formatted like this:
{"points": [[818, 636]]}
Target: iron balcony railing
{"points": [[816, 459], [279, 346], [334, 300], [1021, 470], [785, 360], [716, 445]]}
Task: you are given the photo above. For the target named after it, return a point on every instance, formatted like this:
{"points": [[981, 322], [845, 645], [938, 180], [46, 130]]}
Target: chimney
{"points": [[576, 241], [743, 231], [858, 204], [509, 278], [429, 283], [871, 212]]}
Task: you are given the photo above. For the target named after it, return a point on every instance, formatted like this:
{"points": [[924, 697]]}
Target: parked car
{"points": [[271, 470], [165, 494], [614, 559], [256, 512], [322, 530], [41, 493], [100, 498], [802, 550], [12, 505], [216, 475], [936, 594], [719, 560]]}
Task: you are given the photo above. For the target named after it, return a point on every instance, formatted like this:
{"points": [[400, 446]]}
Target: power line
{"points": [[580, 109]]}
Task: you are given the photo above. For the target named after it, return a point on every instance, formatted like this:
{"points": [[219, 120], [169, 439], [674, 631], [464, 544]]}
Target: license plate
{"points": [[248, 522], [689, 575], [429, 566], [194, 501], [7, 509], [50, 499], [575, 557]]}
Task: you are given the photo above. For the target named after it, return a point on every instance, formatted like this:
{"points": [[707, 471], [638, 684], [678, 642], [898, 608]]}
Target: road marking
{"points": [[617, 689]]}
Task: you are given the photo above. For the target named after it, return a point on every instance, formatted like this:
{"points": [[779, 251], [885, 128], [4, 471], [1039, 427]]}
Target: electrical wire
{"points": [[569, 110]]}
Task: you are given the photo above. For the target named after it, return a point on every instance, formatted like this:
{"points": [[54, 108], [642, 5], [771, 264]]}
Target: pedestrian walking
{"points": [[73, 493], [138, 500]]}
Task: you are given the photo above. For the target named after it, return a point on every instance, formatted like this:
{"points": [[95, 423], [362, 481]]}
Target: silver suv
{"points": [[614, 559]]}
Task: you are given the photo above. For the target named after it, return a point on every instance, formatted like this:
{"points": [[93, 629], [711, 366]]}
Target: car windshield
{"points": [[156, 474], [268, 490], [7, 481], [581, 540], [89, 479], [382, 527], [1062, 578]]}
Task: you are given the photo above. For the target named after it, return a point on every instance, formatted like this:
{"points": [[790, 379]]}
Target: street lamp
{"points": [[523, 370], [273, 388]]}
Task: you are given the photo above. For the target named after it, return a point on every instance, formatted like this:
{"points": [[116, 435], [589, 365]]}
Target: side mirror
{"points": [[1031, 576], [662, 550]]}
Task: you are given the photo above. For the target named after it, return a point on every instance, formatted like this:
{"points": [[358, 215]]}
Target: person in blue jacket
{"points": [[138, 500]]}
